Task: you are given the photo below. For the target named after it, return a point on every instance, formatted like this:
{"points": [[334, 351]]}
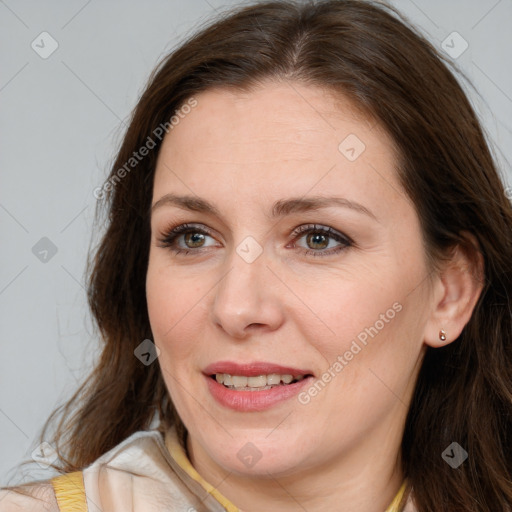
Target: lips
{"points": [[254, 400]]}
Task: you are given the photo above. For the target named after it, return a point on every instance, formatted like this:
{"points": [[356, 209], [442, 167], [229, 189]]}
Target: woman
{"points": [[303, 287]]}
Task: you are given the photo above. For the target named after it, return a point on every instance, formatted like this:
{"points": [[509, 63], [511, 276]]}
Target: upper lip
{"points": [[253, 369]]}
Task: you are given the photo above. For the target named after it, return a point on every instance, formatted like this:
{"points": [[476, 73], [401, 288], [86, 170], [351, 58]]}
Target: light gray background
{"points": [[61, 122]]}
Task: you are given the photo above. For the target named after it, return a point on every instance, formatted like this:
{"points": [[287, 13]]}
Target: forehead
{"points": [[278, 136], [286, 113]]}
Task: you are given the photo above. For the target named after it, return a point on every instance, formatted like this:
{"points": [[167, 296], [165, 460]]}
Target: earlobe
{"points": [[460, 283]]}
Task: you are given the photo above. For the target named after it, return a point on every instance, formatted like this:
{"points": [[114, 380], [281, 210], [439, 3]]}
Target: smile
{"points": [[254, 386]]}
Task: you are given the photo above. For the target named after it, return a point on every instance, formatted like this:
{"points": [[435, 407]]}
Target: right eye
{"points": [[186, 238]]}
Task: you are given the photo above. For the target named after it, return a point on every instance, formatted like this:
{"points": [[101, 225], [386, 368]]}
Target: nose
{"points": [[247, 299]]}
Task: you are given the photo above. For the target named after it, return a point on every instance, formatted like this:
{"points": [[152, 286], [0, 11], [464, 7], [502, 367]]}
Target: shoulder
{"points": [[142, 470], [35, 497], [39, 496]]}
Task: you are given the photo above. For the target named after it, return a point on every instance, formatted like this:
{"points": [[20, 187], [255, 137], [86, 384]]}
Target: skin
{"points": [[242, 152]]}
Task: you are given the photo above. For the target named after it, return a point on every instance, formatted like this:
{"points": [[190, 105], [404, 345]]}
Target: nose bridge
{"points": [[244, 296]]}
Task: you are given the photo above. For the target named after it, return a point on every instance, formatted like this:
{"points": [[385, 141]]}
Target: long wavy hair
{"points": [[368, 53]]}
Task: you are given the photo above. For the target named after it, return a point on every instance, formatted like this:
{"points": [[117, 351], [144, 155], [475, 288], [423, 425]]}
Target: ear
{"points": [[456, 290]]}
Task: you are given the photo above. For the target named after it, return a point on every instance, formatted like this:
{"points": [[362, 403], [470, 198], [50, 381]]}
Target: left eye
{"points": [[320, 239]]}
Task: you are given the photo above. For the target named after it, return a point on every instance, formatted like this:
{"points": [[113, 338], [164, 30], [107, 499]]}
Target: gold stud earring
{"points": [[442, 335]]}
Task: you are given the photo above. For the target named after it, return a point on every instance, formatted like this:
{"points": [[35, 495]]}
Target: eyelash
{"points": [[168, 239]]}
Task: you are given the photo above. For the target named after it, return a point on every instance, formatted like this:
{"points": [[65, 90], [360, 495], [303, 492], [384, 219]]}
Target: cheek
{"points": [[365, 326], [341, 308], [175, 305]]}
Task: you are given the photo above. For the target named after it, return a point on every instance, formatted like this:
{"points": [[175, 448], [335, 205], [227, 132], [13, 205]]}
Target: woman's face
{"points": [[297, 256]]}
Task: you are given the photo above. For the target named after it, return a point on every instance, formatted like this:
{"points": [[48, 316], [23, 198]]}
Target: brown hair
{"points": [[364, 51]]}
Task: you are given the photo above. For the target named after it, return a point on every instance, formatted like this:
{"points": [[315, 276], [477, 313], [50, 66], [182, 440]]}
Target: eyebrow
{"points": [[281, 208]]}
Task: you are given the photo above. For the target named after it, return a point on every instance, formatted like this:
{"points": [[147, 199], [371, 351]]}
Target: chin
{"points": [[256, 453]]}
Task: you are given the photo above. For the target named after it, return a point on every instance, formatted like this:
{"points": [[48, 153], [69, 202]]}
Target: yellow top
{"points": [[70, 492]]}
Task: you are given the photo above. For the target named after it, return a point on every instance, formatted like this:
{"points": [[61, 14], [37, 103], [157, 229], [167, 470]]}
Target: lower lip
{"points": [[246, 401]]}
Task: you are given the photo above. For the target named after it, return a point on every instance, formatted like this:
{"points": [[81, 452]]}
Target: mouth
{"points": [[255, 386]]}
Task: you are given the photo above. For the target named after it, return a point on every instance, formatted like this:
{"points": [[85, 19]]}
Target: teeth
{"points": [[273, 379], [255, 383], [239, 381]]}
